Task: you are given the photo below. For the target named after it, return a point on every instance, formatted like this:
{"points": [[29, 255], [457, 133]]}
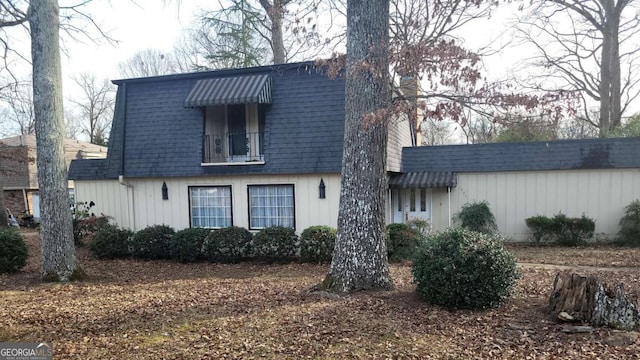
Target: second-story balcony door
{"points": [[237, 130]]}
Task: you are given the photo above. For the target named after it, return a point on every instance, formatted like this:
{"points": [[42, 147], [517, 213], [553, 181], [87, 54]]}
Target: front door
{"points": [[410, 204], [237, 130]]}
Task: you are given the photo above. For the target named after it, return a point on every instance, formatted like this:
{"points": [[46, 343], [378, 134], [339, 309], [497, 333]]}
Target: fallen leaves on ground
{"points": [[161, 309]]}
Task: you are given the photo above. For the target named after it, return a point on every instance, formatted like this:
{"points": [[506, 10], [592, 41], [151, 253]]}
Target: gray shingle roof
{"points": [[304, 126], [539, 155], [88, 169]]}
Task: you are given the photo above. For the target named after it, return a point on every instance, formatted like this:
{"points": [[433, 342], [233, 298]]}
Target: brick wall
{"points": [[14, 200], [14, 166]]}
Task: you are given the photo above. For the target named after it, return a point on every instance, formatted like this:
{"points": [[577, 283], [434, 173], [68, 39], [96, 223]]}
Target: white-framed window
{"points": [[210, 206], [271, 205]]}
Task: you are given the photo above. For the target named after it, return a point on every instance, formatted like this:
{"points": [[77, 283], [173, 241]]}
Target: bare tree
{"points": [[59, 261], [590, 47], [94, 107], [275, 11], [479, 129], [360, 256], [435, 132], [425, 46], [17, 111], [147, 62]]}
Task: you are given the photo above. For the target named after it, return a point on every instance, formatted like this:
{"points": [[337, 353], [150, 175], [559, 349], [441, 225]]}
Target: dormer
{"points": [[233, 118]]}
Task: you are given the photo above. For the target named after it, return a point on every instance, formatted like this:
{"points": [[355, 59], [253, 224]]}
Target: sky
{"points": [[136, 26]]}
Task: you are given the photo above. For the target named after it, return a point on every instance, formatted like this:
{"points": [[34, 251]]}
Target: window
{"points": [[210, 206], [412, 200], [271, 205]]}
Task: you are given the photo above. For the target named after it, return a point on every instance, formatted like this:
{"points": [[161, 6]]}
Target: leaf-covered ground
{"points": [[156, 309]]}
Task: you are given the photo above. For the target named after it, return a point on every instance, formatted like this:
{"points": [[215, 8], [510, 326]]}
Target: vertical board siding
{"points": [[111, 199], [399, 137], [514, 196]]}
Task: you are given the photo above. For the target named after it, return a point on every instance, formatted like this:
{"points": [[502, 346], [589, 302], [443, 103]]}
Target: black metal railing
{"points": [[233, 147]]}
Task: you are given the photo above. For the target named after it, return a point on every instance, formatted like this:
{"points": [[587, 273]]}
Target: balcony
{"points": [[233, 148]]}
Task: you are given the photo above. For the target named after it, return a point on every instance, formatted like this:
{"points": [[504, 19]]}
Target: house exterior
{"points": [[250, 147], [594, 177], [263, 146], [18, 171]]}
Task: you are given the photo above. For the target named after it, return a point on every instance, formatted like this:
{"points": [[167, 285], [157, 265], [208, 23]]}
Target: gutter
{"points": [[121, 178]]}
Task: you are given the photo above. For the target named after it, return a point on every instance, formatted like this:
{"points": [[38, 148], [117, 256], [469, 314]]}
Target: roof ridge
{"points": [[218, 72]]}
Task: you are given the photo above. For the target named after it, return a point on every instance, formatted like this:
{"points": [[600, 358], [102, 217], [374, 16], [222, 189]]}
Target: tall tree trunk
{"points": [[616, 101], [610, 77], [58, 251], [605, 76], [276, 36], [360, 256], [275, 11]]}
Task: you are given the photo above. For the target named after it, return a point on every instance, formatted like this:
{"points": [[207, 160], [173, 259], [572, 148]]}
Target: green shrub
{"points": [[85, 223], [477, 217], [561, 229], [402, 242], [275, 243], [542, 228], [110, 243], [85, 229], [187, 245], [422, 226], [13, 251], [629, 233], [229, 245], [573, 231], [462, 269], [316, 244], [152, 242]]}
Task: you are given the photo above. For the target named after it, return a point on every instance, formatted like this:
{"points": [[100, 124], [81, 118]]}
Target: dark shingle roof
{"points": [[88, 169], [539, 155], [304, 126]]}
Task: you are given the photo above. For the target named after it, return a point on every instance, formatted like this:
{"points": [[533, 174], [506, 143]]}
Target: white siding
{"points": [[113, 199], [515, 196], [399, 137], [110, 199]]}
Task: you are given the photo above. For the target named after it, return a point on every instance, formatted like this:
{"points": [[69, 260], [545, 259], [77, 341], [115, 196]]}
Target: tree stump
{"points": [[586, 299]]}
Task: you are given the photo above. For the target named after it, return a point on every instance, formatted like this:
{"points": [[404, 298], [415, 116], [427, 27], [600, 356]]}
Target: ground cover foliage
{"points": [[164, 309]]}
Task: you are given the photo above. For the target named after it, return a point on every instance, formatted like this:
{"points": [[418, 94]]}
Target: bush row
{"points": [[561, 229], [235, 244], [227, 245]]}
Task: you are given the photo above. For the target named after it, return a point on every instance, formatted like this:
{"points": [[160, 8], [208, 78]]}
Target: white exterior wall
{"points": [[514, 196], [113, 199], [399, 137]]}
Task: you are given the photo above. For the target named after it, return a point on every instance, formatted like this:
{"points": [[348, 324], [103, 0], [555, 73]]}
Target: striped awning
{"points": [[231, 90], [430, 179]]}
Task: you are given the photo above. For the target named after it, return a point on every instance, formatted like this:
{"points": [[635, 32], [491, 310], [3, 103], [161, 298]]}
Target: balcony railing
{"points": [[233, 147]]}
